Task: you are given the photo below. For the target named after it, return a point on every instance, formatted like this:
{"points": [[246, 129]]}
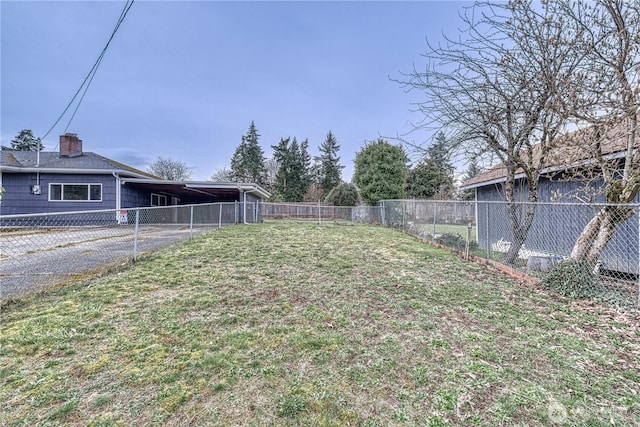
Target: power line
{"points": [[89, 78]]}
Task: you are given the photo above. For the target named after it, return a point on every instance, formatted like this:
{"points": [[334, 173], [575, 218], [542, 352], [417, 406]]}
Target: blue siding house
{"points": [[558, 219], [74, 180]]}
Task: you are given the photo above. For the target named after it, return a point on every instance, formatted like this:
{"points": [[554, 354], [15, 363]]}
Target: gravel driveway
{"points": [[37, 259]]}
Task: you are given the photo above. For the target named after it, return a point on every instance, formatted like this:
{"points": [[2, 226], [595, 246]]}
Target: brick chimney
{"points": [[70, 145]]}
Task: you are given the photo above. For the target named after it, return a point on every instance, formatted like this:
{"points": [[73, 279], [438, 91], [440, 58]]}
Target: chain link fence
{"points": [[577, 249], [322, 213], [43, 250]]}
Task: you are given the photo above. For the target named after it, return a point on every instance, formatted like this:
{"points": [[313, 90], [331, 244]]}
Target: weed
{"points": [[291, 405]]}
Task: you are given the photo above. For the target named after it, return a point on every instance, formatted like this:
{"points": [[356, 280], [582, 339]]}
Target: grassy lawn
{"points": [[298, 324]]}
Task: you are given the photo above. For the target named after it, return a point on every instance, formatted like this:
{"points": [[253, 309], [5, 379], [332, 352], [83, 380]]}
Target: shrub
{"points": [[344, 194], [573, 278], [456, 241]]}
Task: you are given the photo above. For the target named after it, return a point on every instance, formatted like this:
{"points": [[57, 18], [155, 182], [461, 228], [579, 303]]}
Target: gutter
{"points": [[253, 188], [244, 207], [118, 188], [71, 171]]}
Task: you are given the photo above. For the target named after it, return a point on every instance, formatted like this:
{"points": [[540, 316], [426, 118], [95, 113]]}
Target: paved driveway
{"points": [[36, 259]]}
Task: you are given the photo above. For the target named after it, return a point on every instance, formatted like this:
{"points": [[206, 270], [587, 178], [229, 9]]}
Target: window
{"points": [[158, 200], [75, 192]]}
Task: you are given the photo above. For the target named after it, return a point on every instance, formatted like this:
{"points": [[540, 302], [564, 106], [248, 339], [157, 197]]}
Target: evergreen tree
{"points": [[295, 177], [422, 181], [344, 194], [282, 155], [25, 141], [304, 161], [248, 162], [472, 170], [380, 171], [294, 163], [330, 170], [314, 192], [238, 162], [432, 177]]}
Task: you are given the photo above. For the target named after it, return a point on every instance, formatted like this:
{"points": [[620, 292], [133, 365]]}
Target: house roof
{"points": [[14, 161], [52, 162], [570, 152]]}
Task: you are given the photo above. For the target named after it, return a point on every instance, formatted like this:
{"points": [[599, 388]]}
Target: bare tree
{"points": [[271, 167], [223, 174], [169, 169], [611, 94], [504, 87]]}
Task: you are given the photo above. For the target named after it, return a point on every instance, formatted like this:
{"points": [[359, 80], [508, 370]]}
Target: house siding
{"points": [[18, 198], [556, 227], [134, 198], [254, 208]]}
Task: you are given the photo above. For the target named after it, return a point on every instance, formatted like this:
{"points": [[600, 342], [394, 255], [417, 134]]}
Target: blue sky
{"points": [[184, 79]]}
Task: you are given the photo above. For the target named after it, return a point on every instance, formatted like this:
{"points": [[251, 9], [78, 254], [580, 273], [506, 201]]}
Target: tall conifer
{"points": [[248, 162]]}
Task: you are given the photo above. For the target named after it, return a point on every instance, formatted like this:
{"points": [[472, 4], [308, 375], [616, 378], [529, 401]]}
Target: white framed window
{"points": [[75, 192], [158, 200]]}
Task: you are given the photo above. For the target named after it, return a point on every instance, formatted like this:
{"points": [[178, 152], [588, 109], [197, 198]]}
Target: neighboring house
{"points": [[74, 180], [556, 226]]}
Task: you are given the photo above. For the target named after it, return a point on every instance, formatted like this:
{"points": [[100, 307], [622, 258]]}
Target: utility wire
{"points": [[89, 78]]}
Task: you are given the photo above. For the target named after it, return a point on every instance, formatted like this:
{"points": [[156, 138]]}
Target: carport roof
{"points": [[190, 188]]}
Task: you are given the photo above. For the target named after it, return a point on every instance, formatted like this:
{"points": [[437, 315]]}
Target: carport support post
{"points": [[135, 236], [219, 216]]}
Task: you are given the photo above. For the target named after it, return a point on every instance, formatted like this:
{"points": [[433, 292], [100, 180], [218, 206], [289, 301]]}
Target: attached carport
{"points": [[195, 192]]}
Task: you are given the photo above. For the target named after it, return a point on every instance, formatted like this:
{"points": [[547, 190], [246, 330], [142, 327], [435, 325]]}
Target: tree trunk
{"points": [[516, 244], [599, 231], [581, 247], [519, 221], [519, 228]]}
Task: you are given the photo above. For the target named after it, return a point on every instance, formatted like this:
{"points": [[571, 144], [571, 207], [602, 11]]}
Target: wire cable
{"points": [[89, 78]]}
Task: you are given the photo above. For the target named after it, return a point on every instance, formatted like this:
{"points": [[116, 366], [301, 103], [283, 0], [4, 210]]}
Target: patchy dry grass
{"points": [[298, 324]]}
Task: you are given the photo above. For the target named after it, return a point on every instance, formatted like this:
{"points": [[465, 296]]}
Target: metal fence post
{"points": [[219, 215], [191, 224], [404, 208], [435, 215], [487, 230], [135, 236], [638, 300]]}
